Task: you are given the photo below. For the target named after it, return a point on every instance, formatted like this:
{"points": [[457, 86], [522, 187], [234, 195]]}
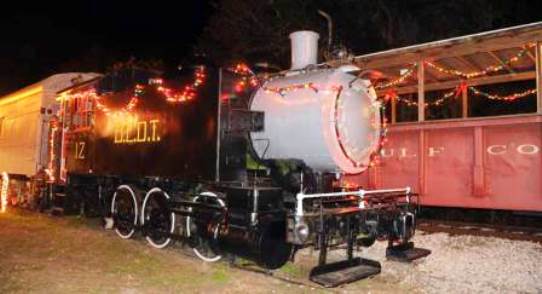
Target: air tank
{"points": [[328, 118]]}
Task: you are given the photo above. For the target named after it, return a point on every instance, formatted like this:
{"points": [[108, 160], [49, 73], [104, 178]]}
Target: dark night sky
{"points": [[40, 39]]}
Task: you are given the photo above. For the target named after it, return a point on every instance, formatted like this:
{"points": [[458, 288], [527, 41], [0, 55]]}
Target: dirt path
{"points": [[45, 254]]}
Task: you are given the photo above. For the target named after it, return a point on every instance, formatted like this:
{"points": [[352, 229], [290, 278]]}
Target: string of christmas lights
{"points": [[456, 93], [248, 77], [487, 70], [242, 69], [507, 98], [408, 73], [125, 109], [462, 87], [4, 192], [374, 159], [52, 155], [282, 91], [100, 105], [438, 102], [187, 93]]}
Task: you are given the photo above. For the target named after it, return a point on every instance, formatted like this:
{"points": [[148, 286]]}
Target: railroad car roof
{"points": [[50, 85], [467, 54], [462, 45]]}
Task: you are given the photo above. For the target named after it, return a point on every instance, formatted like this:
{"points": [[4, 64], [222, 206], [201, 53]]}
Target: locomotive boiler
{"points": [[234, 163]]}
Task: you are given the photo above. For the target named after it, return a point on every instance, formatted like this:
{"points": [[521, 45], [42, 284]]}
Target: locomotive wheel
{"points": [[158, 221], [124, 211], [204, 248]]}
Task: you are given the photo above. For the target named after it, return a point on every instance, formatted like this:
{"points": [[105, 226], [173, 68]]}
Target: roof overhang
{"points": [[515, 36]]}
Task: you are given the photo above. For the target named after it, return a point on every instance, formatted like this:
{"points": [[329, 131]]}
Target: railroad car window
{"points": [[81, 109], [443, 104], [407, 110], [387, 114]]}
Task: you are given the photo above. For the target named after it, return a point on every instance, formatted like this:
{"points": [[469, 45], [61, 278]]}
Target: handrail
{"points": [[360, 193]]}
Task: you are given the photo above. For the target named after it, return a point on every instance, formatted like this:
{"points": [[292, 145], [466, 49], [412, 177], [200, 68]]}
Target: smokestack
{"points": [[304, 48]]}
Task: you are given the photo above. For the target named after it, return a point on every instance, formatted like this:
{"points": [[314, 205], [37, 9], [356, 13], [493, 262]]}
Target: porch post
{"points": [[421, 91], [538, 54], [465, 104], [393, 109]]}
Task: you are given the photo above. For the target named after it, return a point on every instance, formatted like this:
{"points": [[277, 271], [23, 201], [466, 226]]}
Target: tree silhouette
{"points": [[258, 31]]}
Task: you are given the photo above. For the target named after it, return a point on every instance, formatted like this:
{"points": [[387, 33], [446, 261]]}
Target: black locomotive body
{"points": [[171, 159], [154, 138]]}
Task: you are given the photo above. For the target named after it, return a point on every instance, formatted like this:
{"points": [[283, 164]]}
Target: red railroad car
{"points": [[491, 163], [465, 120]]}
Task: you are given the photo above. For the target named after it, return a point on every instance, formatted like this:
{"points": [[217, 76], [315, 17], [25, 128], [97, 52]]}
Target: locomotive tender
{"points": [[233, 164], [24, 126]]}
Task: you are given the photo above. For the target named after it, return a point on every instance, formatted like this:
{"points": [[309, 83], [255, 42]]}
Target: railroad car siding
{"points": [[490, 163]]}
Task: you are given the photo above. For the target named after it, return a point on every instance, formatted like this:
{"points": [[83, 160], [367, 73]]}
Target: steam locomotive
{"points": [[233, 163]]}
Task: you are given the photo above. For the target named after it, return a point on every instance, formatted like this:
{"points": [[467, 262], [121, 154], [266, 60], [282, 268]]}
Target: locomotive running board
{"points": [[342, 272], [406, 252]]}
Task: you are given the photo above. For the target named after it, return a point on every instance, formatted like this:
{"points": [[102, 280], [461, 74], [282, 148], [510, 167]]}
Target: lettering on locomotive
{"points": [[132, 131], [80, 150]]}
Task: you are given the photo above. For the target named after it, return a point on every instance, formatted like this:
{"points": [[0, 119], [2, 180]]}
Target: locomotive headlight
{"points": [[302, 231]]}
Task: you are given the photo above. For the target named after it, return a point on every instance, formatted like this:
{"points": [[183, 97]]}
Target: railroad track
{"points": [[513, 232]]}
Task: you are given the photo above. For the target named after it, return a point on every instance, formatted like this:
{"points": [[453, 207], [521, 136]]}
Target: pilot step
{"points": [[342, 272]]}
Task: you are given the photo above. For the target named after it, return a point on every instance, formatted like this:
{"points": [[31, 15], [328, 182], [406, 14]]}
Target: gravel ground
{"points": [[465, 264]]}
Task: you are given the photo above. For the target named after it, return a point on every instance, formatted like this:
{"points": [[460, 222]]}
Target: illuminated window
{"points": [[81, 112]]}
